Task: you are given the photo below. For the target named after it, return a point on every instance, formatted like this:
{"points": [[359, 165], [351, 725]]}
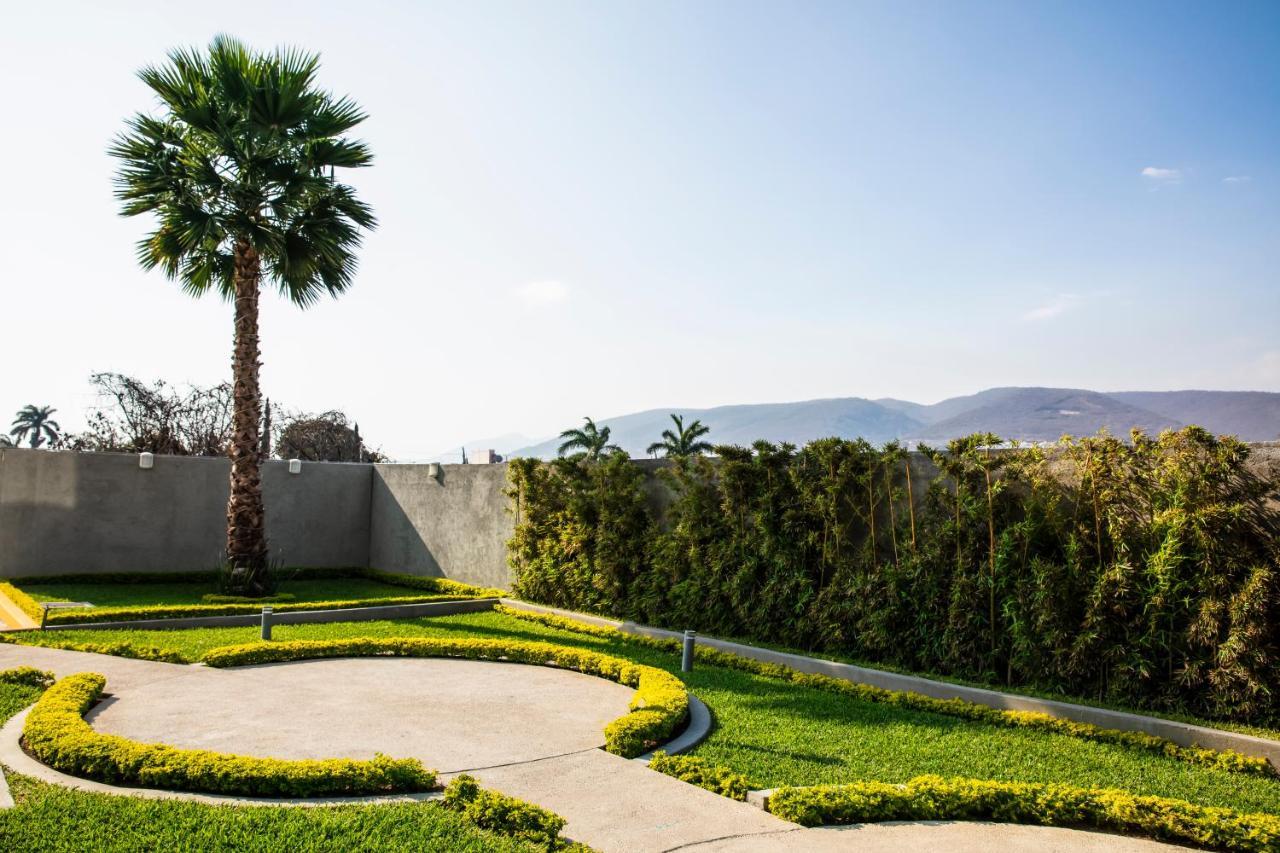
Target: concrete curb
{"points": [[13, 757], [1184, 734], [299, 617], [694, 733]]}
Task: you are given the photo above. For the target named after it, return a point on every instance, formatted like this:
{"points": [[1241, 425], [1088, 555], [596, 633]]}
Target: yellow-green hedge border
{"points": [[659, 706], [78, 616], [433, 589], [1224, 759], [24, 602], [122, 649], [56, 733], [698, 771], [936, 798]]}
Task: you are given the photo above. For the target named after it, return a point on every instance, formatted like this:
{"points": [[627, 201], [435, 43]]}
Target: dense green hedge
{"points": [[1218, 759], [56, 733], [1145, 572], [659, 706], [935, 798]]}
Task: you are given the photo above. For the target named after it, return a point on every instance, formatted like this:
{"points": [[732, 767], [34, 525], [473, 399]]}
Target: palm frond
{"points": [[245, 151]]}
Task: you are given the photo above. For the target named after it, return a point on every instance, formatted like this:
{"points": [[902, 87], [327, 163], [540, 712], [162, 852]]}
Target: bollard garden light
{"points": [[686, 658], [266, 623]]}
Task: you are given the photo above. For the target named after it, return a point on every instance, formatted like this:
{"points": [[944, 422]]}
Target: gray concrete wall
{"points": [[456, 525], [72, 513]]}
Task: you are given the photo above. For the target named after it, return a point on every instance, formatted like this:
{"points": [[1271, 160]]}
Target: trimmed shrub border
{"points": [[22, 601], [57, 734], [936, 798], [122, 649], [215, 598], [1227, 760], [433, 589], [27, 676], [506, 815], [658, 708], [104, 615], [698, 771]]}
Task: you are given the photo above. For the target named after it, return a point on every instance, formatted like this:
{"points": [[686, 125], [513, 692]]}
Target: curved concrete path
{"points": [[454, 715], [610, 803]]}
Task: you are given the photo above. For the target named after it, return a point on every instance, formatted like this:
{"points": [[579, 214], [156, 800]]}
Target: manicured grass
{"points": [[49, 818], [15, 697], [152, 594], [1271, 732], [778, 733]]}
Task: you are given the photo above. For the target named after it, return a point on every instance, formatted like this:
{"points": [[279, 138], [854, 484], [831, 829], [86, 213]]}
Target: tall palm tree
{"points": [[36, 425], [238, 170], [683, 442], [590, 440]]}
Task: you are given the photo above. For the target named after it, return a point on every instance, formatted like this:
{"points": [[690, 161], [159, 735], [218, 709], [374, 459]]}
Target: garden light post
{"points": [[686, 657], [266, 623]]}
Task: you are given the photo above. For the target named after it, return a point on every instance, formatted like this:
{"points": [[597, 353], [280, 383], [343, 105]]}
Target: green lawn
{"points": [[777, 733], [153, 594], [1272, 732], [50, 818]]}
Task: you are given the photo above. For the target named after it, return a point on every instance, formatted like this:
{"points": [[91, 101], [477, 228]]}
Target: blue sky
{"points": [[595, 208]]}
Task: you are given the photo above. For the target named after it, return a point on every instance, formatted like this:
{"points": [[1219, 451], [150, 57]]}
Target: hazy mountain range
{"points": [[1027, 414]]}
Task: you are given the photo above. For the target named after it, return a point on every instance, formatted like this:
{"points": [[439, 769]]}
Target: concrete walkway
{"points": [[530, 732], [453, 715]]}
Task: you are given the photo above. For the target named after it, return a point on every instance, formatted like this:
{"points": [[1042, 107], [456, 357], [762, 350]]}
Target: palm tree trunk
{"points": [[246, 539], [911, 503]]}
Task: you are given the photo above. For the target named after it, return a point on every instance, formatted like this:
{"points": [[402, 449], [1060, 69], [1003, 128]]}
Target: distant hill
{"points": [[1039, 414], [1027, 414], [1254, 415]]}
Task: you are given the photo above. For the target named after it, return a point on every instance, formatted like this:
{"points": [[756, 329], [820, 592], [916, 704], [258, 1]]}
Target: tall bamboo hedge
{"points": [[1144, 571]]}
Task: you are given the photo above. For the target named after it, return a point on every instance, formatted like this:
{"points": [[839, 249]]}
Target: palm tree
{"points": [[684, 441], [590, 440], [238, 171], [35, 424]]}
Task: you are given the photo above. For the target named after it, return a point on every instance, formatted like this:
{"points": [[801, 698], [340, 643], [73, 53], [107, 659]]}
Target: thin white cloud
{"points": [[1237, 179], [1158, 173], [543, 292], [1060, 304]]}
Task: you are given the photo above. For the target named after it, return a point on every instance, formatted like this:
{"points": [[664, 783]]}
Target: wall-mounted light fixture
{"points": [[295, 466], [433, 470], [146, 460]]}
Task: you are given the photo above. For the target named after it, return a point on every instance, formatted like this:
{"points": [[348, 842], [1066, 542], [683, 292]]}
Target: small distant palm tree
{"points": [[590, 440], [36, 425], [683, 442]]}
